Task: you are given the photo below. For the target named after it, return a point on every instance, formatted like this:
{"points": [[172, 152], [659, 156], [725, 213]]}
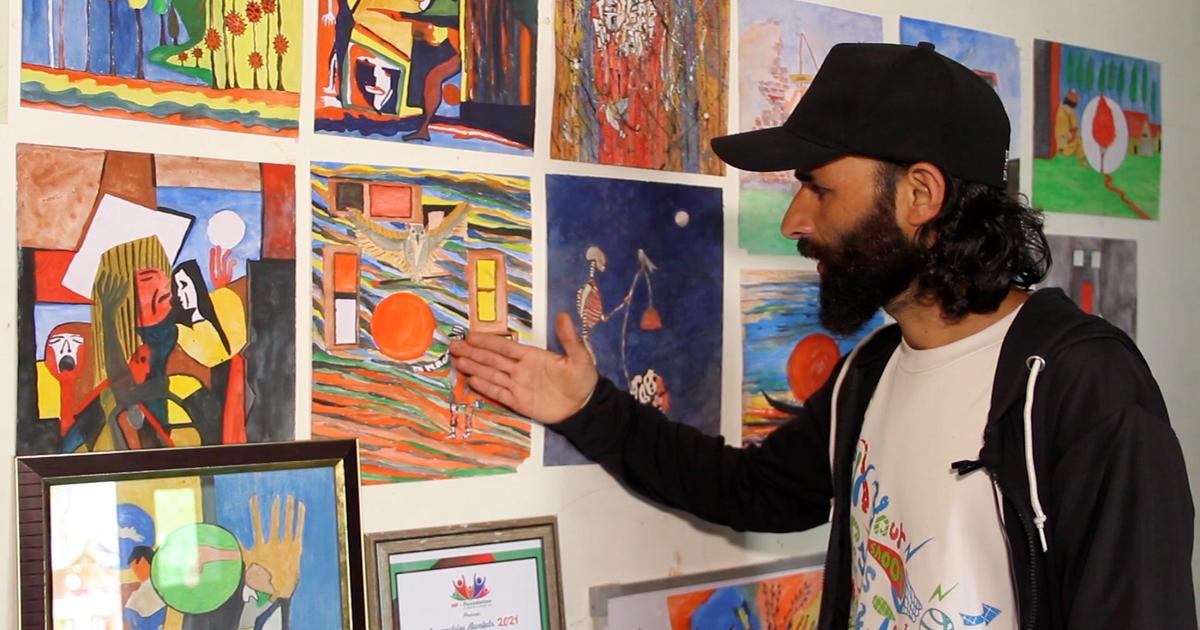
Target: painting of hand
{"points": [[273, 563]]}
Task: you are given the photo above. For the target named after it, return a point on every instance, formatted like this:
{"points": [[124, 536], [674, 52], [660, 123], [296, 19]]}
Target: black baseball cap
{"points": [[889, 102]]}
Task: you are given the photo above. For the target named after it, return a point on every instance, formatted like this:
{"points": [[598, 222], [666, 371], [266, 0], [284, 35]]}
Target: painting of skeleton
{"points": [[404, 261], [449, 73], [641, 83], [148, 301], [216, 64], [780, 47], [639, 267]]}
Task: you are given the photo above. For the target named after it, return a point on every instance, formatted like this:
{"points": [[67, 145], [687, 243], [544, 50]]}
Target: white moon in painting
{"points": [[682, 218], [226, 229]]}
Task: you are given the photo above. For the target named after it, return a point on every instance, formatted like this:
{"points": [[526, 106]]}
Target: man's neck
{"points": [[924, 327]]}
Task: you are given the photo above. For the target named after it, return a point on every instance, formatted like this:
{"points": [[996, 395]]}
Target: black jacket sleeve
{"points": [[1120, 510], [780, 485]]}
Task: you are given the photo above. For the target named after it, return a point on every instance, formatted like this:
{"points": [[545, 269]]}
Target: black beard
{"points": [[869, 268]]}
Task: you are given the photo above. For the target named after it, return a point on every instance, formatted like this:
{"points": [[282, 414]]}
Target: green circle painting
{"points": [[198, 568]]}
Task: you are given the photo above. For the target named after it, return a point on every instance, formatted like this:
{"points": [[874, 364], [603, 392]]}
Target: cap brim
{"points": [[772, 149]]}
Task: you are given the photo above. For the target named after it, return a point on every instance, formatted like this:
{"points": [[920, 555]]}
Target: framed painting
{"points": [[502, 574], [175, 538], [150, 288], [232, 65], [781, 594], [445, 73]]}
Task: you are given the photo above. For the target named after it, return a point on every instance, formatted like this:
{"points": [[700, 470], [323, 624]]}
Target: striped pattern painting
{"points": [[392, 386]]}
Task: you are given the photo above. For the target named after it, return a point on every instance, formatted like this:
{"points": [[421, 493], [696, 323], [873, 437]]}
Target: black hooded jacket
{"points": [[1107, 467]]}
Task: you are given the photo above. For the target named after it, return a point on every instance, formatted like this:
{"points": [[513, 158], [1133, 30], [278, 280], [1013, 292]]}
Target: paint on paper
{"points": [[1099, 274], [641, 83], [781, 46], [404, 261], [1097, 142], [638, 265], [149, 298], [450, 73], [786, 353], [232, 65], [994, 58]]}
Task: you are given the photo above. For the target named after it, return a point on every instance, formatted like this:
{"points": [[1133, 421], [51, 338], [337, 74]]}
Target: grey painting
{"points": [[1100, 274]]}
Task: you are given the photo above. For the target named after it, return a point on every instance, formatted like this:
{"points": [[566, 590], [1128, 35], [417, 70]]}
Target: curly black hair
{"points": [[982, 243]]}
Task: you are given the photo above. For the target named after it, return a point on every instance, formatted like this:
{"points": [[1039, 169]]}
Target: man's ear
{"points": [[925, 190]]}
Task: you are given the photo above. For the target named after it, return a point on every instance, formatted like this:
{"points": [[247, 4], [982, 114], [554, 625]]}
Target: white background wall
{"points": [[606, 534]]}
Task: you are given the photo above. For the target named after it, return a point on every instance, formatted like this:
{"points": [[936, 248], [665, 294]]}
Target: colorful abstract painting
{"points": [[786, 354], [1100, 275], [640, 83], [790, 602], [780, 47], [247, 550], [639, 267], [404, 261], [217, 64], [149, 299], [994, 58], [450, 73], [1097, 142]]}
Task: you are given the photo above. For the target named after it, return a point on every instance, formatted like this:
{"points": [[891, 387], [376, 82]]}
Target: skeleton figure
{"points": [[463, 401], [588, 304]]}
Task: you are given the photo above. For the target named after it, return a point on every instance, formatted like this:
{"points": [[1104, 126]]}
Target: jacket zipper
{"points": [[1031, 545]]}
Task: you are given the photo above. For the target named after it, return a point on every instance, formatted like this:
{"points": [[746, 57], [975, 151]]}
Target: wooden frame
{"points": [[329, 295], [387, 548], [48, 486], [498, 325]]}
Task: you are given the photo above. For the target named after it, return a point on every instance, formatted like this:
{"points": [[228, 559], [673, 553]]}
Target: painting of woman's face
{"points": [[185, 290]]}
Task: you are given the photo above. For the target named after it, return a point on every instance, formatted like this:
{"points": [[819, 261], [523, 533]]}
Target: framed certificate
{"points": [[471, 577]]}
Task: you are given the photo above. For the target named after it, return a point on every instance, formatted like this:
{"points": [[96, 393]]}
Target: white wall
{"points": [[608, 535]]}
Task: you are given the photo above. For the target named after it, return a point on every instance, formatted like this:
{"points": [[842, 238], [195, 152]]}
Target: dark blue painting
{"points": [[639, 267]]}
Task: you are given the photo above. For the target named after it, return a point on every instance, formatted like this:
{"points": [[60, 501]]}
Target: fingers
{"points": [[569, 338], [491, 343], [300, 526], [273, 534], [470, 359], [289, 516], [256, 520], [492, 390], [475, 369]]}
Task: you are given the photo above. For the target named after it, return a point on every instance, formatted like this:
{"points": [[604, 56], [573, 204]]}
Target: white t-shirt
{"points": [[927, 546]]}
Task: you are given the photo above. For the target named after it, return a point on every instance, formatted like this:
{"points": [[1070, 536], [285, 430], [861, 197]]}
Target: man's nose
{"points": [[798, 220]]}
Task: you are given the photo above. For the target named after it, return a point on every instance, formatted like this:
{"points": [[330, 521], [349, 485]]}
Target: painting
{"points": [[1099, 274], [502, 574], [786, 354], [404, 261], [780, 595], [640, 84], [780, 47], [215, 64], [995, 58], [247, 537], [150, 288], [638, 265], [1097, 141], [449, 73]]}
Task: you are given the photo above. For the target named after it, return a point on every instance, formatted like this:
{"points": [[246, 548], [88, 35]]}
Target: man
{"points": [[1066, 126], [999, 458]]}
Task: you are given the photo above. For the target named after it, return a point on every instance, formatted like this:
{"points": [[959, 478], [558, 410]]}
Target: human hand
{"points": [[273, 563], [221, 266], [111, 290], [327, 18], [537, 383]]}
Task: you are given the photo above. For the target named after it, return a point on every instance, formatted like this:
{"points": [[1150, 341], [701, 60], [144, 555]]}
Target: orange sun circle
{"points": [[810, 364], [403, 326]]}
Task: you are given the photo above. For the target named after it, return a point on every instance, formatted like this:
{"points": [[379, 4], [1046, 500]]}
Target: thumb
{"points": [[570, 339]]}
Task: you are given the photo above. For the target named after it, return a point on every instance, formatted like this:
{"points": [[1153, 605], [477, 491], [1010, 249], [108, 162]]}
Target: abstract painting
{"points": [[217, 64], [638, 265], [791, 602], [786, 354], [1097, 142], [150, 544], [1099, 274], [781, 46], [994, 58], [405, 260], [640, 83], [450, 73], [149, 299]]}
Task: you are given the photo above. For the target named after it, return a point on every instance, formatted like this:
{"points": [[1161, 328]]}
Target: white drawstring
{"points": [[837, 387], [1035, 365]]}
